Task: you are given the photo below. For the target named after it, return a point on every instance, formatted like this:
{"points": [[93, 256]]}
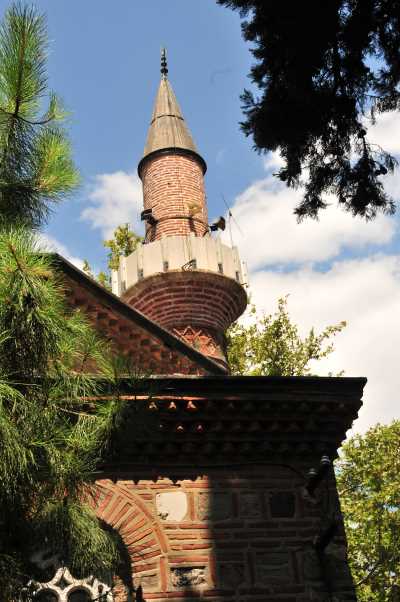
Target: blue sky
{"points": [[104, 63]]}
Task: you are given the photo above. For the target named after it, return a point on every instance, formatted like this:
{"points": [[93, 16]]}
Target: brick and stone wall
{"points": [[173, 187], [242, 534], [208, 487]]}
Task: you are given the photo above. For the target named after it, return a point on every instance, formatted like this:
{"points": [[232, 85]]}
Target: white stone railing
{"points": [[65, 588], [178, 253]]}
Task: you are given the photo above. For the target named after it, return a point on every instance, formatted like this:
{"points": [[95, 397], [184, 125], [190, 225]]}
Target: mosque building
{"points": [[220, 487]]}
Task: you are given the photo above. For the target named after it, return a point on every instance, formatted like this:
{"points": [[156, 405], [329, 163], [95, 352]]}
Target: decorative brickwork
{"points": [[195, 421], [126, 510], [173, 187], [233, 543], [191, 302], [205, 341], [207, 479], [209, 488], [151, 348]]}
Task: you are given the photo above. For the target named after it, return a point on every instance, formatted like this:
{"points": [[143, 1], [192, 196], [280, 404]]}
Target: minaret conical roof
{"points": [[168, 129]]}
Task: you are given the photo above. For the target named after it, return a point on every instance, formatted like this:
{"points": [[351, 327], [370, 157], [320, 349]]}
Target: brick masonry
{"points": [[197, 306], [173, 187], [234, 453], [148, 351], [246, 534]]}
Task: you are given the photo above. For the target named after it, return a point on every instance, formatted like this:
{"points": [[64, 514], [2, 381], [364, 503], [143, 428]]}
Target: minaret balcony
{"points": [[185, 253]]}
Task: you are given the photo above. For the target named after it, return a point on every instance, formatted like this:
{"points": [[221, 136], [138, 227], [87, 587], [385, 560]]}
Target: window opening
{"points": [[79, 595]]}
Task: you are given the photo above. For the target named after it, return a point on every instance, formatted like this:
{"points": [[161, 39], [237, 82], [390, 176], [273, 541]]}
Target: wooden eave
{"points": [[218, 420]]}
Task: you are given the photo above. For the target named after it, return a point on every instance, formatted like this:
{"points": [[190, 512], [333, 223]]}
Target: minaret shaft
{"points": [[173, 188]]}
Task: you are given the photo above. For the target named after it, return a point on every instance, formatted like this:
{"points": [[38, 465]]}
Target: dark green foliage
{"points": [[369, 486], [36, 169], [323, 70], [53, 429]]}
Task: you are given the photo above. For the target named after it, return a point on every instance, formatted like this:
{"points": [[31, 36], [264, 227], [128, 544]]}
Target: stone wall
{"points": [[244, 533]]}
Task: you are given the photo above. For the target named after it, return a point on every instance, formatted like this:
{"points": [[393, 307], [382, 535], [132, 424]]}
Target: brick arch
{"points": [[139, 529]]}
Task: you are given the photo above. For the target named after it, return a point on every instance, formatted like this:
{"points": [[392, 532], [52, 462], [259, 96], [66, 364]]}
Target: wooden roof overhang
{"points": [[153, 349], [219, 420]]}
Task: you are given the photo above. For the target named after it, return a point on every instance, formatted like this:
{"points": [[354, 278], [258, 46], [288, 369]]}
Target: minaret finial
{"points": [[164, 68]]}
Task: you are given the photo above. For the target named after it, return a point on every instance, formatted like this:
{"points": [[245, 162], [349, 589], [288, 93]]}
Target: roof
{"points": [[191, 413], [219, 420], [154, 349], [168, 129]]}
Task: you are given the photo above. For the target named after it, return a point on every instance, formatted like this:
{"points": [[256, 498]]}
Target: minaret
{"points": [[181, 277]]}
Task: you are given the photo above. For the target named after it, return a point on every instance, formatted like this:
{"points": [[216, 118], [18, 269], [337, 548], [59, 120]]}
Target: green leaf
{"points": [[271, 345]]}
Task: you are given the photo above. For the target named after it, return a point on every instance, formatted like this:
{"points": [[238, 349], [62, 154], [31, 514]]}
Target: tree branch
{"points": [[17, 116]]}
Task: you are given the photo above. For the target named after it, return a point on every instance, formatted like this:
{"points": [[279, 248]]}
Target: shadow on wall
{"points": [[241, 532], [226, 533], [239, 525], [123, 575]]}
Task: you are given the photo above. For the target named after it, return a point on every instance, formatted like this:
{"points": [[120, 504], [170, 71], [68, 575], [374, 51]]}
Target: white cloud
{"points": [[283, 258], [51, 244], [273, 161], [386, 132], [392, 185], [115, 199], [271, 234], [365, 293]]}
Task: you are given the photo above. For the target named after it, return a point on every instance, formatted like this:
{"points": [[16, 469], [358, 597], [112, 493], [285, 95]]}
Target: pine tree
{"points": [[53, 428], [324, 69], [36, 168], [53, 432]]}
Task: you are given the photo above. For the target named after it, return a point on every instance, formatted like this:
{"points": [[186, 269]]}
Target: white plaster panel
{"points": [[212, 259], [178, 251], [152, 259], [228, 261], [199, 252], [172, 505], [116, 283]]}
